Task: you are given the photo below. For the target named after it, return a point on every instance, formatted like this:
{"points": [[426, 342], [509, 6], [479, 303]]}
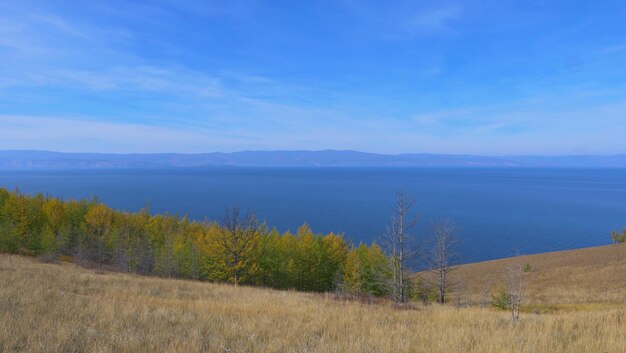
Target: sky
{"points": [[477, 77]]}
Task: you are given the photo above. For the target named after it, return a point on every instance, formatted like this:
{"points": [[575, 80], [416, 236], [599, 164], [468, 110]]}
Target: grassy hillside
{"points": [[63, 308], [564, 278]]}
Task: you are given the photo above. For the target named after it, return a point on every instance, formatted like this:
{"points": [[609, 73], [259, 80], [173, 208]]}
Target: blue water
{"points": [[501, 212]]}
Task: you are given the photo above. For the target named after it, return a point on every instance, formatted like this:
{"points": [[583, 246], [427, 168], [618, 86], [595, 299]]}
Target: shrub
{"points": [[423, 292], [527, 267], [619, 237], [502, 300]]}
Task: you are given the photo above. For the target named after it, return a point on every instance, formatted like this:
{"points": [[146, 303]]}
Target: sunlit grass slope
{"points": [[592, 275], [63, 308]]}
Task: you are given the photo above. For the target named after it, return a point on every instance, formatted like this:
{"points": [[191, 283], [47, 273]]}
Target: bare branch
{"points": [[400, 245], [442, 255]]}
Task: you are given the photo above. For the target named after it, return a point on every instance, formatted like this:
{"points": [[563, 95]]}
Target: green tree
{"points": [[239, 250], [273, 261], [366, 270], [55, 221], [376, 271], [98, 225], [351, 281], [619, 237], [25, 222], [234, 249], [8, 236]]}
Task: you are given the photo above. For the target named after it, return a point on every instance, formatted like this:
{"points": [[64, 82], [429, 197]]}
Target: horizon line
{"points": [[317, 151]]}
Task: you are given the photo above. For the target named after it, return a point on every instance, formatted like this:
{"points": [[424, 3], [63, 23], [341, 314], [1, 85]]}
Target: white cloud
{"points": [[74, 135], [526, 130], [142, 78]]}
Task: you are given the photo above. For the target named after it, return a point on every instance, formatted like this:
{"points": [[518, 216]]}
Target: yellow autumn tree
{"points": [[233, 248], [98, 224], [351, 280], [54, 213]]}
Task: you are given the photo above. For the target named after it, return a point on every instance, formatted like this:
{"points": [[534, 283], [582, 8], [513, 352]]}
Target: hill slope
{"points": [[589, 275], [62, 308]]}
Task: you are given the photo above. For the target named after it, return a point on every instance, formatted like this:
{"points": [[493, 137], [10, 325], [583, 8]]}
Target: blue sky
{"points": [[481, 77]]}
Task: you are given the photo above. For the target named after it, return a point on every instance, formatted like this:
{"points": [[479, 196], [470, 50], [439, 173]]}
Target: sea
{"points": [[498, 212]]}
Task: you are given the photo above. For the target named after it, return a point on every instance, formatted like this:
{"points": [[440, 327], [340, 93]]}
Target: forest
{"points": [[238, 249]]}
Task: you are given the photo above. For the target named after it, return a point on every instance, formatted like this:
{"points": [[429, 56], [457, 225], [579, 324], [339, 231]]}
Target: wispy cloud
{"points": [[388, 77], [59, 24], [67, 134], [436, 20], [476, 131], [138, 78], [405, 19]]}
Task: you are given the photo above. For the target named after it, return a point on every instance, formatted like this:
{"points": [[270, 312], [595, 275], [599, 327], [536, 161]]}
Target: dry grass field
{"points": [[63, 308], [562, 279]]}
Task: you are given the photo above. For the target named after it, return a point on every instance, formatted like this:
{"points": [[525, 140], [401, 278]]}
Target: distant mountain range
{"points": [[326, 158]]}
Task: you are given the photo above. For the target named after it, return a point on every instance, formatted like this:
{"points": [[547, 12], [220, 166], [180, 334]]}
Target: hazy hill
{"points": [[326, 158]]}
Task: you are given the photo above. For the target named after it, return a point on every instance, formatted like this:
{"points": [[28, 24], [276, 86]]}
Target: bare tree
{"points": [[484, 291], [458, 298], [442, 254], [515, 284], [401, 246], [468, 296]]}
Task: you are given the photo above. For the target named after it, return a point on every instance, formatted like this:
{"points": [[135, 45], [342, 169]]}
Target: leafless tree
{"points": [[442, 254], [458, 298], [515, 284], [484, 291], [401, 245]]}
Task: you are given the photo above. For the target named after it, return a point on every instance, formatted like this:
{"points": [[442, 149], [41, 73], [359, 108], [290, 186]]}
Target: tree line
{"points": [[237, 249]]}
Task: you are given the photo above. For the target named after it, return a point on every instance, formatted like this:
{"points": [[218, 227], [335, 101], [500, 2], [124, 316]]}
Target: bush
{"points": [[619, 237], [502, 300], [527, 267], [423, 292]]}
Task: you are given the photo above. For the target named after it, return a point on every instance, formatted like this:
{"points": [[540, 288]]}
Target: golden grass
{"points": [[584, 276], [62, 308]]}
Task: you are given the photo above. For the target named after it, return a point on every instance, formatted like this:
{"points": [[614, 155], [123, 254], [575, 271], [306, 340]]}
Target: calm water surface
{"points": [[501, 212]]}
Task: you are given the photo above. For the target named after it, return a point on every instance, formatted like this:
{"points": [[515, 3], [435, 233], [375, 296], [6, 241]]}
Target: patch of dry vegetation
{"points": [[567, 279], [62, 308]]}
